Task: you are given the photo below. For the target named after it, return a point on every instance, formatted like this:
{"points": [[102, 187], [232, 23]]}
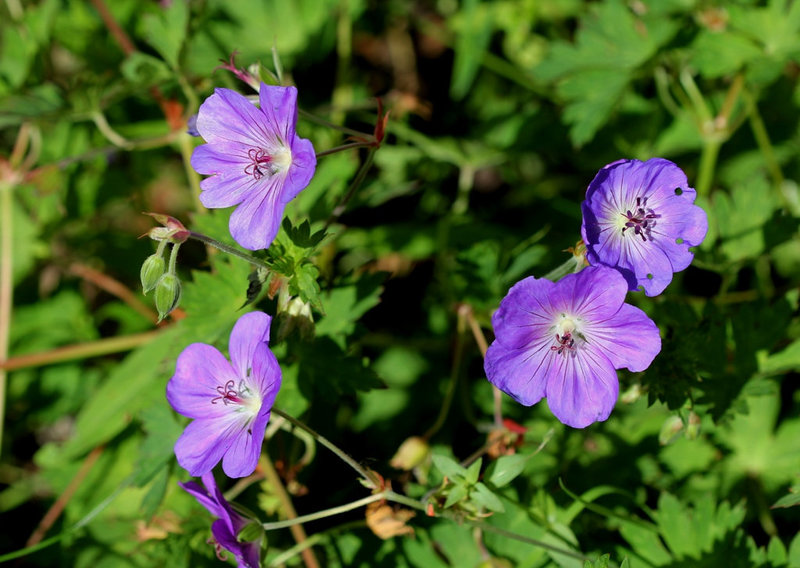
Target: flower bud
{"points": [[152, 270], [410, 454], [168, 294], [295, 315]]}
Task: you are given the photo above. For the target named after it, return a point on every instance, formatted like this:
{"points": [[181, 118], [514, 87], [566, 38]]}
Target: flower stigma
{"points": [[641, 219]]}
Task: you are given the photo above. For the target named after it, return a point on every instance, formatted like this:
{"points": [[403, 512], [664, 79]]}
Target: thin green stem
{"points": [[357, 181], [762, 139], [368, 477], [229, 249], [298, 548], [6, 288], [185, 144], [323, 122], [455, 371], [514, 536], [79, 351], [110, 134], [324, 513], [708, 164], [343, 147]]}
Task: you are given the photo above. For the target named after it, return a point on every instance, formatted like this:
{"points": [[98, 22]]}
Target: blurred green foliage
{"points": [[501, 112]]}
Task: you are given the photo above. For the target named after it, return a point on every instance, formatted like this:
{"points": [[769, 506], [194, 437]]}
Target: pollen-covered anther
{"points": [[565, 343], [641, 220]]}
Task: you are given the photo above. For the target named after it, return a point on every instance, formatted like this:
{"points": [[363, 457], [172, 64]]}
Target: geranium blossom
{"points": [[254, 158], [229, 402], [564, 340], [640, 218], [228, 525]]}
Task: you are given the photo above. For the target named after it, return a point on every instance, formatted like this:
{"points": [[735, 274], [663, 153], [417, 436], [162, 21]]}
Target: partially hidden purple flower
{"points": [[255, 160], [228, 525], [229, 402], [564, 340], [640, 218]]}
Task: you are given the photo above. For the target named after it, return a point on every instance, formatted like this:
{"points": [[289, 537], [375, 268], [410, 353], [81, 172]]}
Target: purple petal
{"points": [[524, 314], [200, 369], [519, 372], [304, 163], [250, 332], [247, 553], [582, 389], [227, 116], [629, 340], [256, 221], [595, 293], [201, 494], [241, 458], [204, 442], [279, 106]]}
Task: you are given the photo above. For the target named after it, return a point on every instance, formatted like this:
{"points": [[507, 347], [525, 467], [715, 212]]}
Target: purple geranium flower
{"points": [[640, 218], [564, 340], [230, 402], [229, 524], [254, 158]]}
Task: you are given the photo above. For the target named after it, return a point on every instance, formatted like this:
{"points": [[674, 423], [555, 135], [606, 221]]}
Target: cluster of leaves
{"points": [[453, 212]]}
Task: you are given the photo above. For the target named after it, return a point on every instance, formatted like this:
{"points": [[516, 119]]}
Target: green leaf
{"points": [[505, 469], [458, 492], [345, 305], [483, 497], [741, 217], [166, 30], [473, 29], [448, 466], [790, 500], [474, 472]]}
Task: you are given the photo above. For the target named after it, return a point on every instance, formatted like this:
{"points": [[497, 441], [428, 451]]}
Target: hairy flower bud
{"points": [[410, 454], [168, 294], [152, 270]]}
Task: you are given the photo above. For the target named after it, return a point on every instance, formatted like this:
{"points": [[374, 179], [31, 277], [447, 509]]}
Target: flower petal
{"points": [[525, 314], [256, 221], [594, 293], [241, 458], [227, 116], [304, 163], [200, 369], [582, 388], [519, 372], [629, 340], [203, 443], [279, 107], [201, 494], [251, 331]]}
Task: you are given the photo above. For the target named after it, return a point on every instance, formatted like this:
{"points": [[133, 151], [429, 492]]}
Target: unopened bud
{"points": [[693, 428], [168, 294], [152, 270], [410, 454], [295, 315]]}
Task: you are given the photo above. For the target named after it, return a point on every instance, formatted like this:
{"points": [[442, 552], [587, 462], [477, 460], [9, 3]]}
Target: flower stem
{"points": [[6, 288], [229, 249], [483, 345], [185, 144], [324, 513], [708, 163], [359, 179], [514, 536], [297, 530], [571, 266], [344, 147], [764, 144], [368, 477], [455, 370]]}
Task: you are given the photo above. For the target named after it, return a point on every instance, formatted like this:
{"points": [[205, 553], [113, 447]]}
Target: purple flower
{"points": [[563, 340], [229, 524], [640, 218], [254, 158], [230, 402]]}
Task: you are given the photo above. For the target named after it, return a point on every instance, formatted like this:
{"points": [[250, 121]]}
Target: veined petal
{"points": [[200, 369], [629, 340], [594, 293], [582, 389], [279, 105], [256, 221], [524, 314], [265, 376], [204, 442], [304, 163], [227, 116], [202, 495], [519, 372], [241, 458], [250, 331]]}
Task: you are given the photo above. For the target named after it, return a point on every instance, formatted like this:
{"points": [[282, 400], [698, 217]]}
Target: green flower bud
{"points": [[152, 270], [411, 453], [168, 294]]}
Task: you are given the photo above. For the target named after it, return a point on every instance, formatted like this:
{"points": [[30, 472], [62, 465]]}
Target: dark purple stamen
{"points": [[642, 220], [564, 342], [227, 394], [259, 159]]}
